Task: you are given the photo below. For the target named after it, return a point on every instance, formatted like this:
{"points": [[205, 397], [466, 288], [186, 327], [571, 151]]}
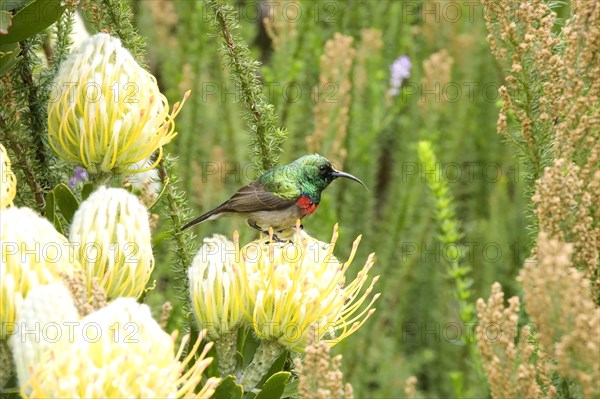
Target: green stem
{"points": [[117, 15], [267, 137], [177, 208], [226, 347], [60, 50], [24, 163], [36, 112], [7, 366], [100, 178], [246, 83], [264, 357], [174, 214]]}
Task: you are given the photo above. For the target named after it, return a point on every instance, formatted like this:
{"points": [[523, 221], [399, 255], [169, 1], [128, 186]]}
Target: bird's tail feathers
{"points": [[210, 215]]}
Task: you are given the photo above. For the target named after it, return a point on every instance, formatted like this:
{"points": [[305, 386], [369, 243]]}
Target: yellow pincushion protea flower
{"points": [[43, 320], [299, 286], [216, 287], [33, 253], [111, 234], [105, 111], [8, 181], [119, 351]]}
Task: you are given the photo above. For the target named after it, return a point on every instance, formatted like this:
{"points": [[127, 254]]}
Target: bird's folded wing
{"points": [[254, 197]]}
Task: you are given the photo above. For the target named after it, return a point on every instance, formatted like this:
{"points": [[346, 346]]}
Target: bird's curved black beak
{"points": [[338, 173]]}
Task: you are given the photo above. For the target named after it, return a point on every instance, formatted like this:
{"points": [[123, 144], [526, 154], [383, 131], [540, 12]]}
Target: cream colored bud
{"points": [[119, 351], [105, 111], [112, 234], [216, 287], [47, 316], [33, 253]]}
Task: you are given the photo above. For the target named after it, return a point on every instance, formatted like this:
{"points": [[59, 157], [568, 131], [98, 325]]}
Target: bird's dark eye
{"points": [[322, 168]]}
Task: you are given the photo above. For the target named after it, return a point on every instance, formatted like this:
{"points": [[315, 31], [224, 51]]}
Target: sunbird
{"points": [[280, 196]]}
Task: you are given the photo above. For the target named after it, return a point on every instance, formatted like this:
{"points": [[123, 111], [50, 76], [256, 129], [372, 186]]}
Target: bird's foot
{"points": [[301, 226], [255, 226], [273, 237], [276, 240]]}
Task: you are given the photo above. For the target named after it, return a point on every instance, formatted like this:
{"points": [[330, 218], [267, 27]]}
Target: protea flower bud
{"points": [[111, 233], [105, 111], [33, 253], [45, 318], [8, 181], [217, 293], [216, 289], [119, 351]]}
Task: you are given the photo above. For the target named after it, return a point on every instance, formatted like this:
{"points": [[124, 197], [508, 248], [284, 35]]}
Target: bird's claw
{"points": [[274, 237], [277, 240]]}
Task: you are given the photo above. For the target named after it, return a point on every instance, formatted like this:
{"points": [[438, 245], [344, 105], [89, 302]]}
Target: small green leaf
{"points": [[250, 343], [239, 358], [277, 366], [291, 389], [275, 386], [49, 209], [50, 212], [5, 21], [228, 389], [58, 225], [86, 190], [7, 5], [33, 18], [9, 56], [66, 201], [162, 191]]}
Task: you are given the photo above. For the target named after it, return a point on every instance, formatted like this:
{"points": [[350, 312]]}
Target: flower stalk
{"points": [[35, 109], [226, 347], [183, 247], [264, 357]]}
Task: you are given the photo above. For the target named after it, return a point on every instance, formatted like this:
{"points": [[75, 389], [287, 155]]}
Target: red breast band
{"points": [[307, 207]]}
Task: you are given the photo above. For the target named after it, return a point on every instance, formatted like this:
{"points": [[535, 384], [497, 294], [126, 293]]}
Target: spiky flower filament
{"points": [[130, 356], [299, 286]]}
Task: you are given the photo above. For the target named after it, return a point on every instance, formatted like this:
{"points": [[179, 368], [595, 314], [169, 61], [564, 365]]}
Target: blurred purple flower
{"points": [[400, 71], [79, 174]]}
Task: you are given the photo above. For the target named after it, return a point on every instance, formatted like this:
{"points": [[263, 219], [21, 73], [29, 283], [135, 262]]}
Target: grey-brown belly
{"points": [[279, 220]]}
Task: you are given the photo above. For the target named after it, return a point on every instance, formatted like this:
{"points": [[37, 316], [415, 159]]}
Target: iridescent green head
{"points": [[317, 171], [308, 175]]}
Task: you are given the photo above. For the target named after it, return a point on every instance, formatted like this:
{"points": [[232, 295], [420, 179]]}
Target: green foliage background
{"points": [[417, 329], [413, 216]]}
